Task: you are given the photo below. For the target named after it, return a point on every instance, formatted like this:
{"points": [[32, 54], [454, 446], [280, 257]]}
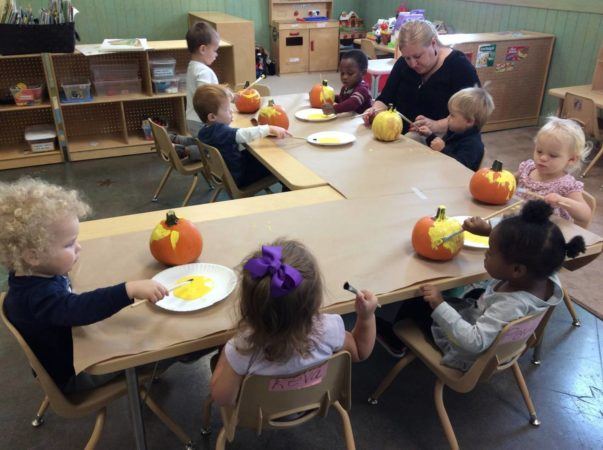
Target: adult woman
{"points": [[424, 78]]}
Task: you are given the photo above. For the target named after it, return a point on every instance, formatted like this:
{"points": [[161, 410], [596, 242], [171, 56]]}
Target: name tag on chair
{"points": [[309, 378], [521, 331]]}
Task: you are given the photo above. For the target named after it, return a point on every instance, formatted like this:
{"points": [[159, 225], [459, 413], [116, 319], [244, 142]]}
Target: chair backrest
{"points": [[60, 404], [368, 48], [504, 351], [164, 146], [263, 400], [584, 111], [217, 170], [591, 201], [262, 89]]}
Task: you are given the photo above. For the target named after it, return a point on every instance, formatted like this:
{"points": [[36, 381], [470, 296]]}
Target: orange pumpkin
{"points": [[175, 241], [494, 186], [321, 94], [428, 235], [248, 100], [387, 125], [273, 115]]}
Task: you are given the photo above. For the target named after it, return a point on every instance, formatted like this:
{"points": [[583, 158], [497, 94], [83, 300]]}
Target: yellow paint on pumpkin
{"points": [[503, 177], [174, 237], [197, 288], [251, 94], [444, 228], [159, 233]]}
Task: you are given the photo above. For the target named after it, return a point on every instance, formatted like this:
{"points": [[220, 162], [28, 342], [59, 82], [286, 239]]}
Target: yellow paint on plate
{"points": [[197, 288], [328, 140], [317, 116], [476, 239]]}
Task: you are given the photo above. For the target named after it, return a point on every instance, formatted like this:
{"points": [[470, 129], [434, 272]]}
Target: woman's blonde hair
{"points": [[569, 133], [28, 207], [420, 32], [473, 103], [280, 327]]}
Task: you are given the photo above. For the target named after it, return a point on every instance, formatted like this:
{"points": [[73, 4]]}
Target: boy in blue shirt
{"points": [[212, 104]]}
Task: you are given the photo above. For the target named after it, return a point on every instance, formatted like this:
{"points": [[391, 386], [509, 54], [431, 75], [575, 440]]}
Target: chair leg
{"points": [[167, 420], [206, 421], [570, 307], [39, 419], [221, 441], [592, 163], [525, 393], [443, 415], [389, 378], [536, 354], [98, 429], [191, 189], [347, 427], [214, 196], [166, 175]]}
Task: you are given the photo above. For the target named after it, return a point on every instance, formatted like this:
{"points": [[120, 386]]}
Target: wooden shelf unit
{"points": [[105, 127]]}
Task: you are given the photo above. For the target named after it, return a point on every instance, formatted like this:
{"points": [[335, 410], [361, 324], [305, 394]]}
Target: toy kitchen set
{"points": [[305, 38]]}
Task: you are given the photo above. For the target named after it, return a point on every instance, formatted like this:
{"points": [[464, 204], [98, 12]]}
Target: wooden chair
{"points": [[83, 403], [368, 48], [502, 354], [262, 89], [219, 175], [279, 403], [166, 152], [584, 111]]}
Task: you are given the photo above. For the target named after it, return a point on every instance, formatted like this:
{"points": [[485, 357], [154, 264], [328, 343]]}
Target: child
{"points": [[469, 110], [203, 42], [212, 104], [355, 95], [525, 253], [559, 148], [38, 245], [281, 330]]}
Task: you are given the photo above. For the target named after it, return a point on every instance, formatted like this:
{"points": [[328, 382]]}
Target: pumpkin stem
{"points": [[441, 213], [497, 166], [171, 219], [390, 106], [325, 82], [246, 85], [270, 102]]}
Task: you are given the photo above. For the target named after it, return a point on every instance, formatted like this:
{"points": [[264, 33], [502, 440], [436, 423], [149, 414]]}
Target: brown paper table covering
{"points": [[367, 167], [365, 241]]}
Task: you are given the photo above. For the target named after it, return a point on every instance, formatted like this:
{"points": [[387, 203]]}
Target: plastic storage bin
{"points": [[163, 68], [76, 90], [41, 138], [118, 87], [114, 72], [181, 82], [166, 85], [28, 95]]}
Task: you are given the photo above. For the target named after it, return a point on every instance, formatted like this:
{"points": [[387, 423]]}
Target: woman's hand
{"points": [[436, 126], [424, 130], [432, 295], [371, 112], [437, 144]]}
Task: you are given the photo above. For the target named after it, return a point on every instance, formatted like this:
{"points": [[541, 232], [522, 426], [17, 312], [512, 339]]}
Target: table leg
{"points": [[135, 408]]}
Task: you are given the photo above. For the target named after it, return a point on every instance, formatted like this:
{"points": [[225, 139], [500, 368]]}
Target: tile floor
{"points": [[567, 388]]}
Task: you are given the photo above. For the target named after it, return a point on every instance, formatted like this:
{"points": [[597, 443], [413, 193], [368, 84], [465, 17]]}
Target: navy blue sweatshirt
{"points": [[44, 310], [466, 147]]}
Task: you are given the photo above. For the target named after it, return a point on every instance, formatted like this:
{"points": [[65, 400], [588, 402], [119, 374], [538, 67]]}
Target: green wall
{"points": [[166, 19], [578, 35]]}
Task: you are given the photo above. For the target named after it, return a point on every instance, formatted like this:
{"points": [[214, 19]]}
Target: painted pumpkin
{"points": [[387, 125], [249, 100], [273, 115], [175, 241], [428, 235], [321, 94], [494, 186]]}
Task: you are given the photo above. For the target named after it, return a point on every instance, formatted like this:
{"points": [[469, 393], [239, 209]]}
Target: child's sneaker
{"points": [[388, 339]]}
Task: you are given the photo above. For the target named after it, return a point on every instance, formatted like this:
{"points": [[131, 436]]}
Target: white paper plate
{"points": [[331, 138], [470, 239], [222, 279], [313, 115]]}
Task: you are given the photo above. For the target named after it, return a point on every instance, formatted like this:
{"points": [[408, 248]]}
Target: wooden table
{"points": [[338, 245], [583, 91]]}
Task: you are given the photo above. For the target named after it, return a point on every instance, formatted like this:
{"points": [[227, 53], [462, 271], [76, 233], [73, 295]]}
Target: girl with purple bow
{"points": [[281, 330]]}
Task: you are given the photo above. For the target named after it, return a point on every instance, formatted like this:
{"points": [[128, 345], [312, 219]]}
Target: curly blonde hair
{"points": [[28, 207]]}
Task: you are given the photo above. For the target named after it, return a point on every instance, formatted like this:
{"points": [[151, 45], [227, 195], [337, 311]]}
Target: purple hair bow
{"points": [[284, 278]]}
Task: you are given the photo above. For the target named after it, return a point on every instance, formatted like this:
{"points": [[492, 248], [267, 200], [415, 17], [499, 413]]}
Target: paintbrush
{"points": [[255, 123], [348, 287], [256, 81], [176, 286]]}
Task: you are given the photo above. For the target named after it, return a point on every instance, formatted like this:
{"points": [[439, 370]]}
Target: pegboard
{"points": [[13, 123], [28, 70], [93, 119], [166, 109]]}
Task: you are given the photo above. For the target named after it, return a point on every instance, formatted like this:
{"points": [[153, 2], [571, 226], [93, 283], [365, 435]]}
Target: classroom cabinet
{"points": [[105, 126]]}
